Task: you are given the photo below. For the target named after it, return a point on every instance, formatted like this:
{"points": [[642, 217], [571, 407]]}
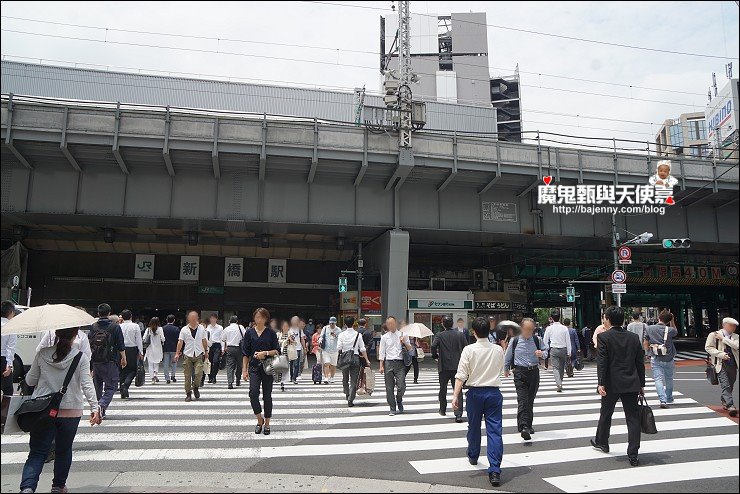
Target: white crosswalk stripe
{"points": [[156, 425], [691, 355]]}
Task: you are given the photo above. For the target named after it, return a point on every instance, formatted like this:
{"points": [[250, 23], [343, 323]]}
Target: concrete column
{"points": [[389, 254]]}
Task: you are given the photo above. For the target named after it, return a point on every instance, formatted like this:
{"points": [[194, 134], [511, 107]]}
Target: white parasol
{"points": [[417, 330], [49, 317]]}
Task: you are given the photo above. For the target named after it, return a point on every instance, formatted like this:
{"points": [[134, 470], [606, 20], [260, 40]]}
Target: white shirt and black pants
{"points": [[134, 348], [231, 339], [214, 350], [351, 341], [557, 339], [391, 354]]}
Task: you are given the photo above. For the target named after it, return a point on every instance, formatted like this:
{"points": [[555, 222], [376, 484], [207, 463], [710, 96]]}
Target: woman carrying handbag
{"points": [[59, 367], [260, 343], [154, 353]]}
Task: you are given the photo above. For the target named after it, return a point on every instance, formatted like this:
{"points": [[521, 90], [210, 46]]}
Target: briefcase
{"points": [[647, 420], [140, 374]]}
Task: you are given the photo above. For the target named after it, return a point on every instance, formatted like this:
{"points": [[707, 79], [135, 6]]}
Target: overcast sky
{"points": [[351, 36]]}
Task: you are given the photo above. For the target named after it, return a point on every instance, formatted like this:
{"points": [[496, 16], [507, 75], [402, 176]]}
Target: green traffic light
{"points": [[667, 243]]}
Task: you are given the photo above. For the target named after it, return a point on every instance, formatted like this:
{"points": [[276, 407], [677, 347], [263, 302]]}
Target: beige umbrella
{"points": [[417, 330], [49, 317]]}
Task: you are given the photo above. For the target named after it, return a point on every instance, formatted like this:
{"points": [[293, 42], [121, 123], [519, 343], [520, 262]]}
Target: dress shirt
{"points": [[8, 345], [82, 342], [192, 347], [728, 349], [481, 364], [390, 346], [214, 334], [347, 341], [524, 354], [232, 335], [558, 336], [132, 335]]}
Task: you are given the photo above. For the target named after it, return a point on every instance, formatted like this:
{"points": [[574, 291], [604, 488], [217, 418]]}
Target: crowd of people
{"points": [[110, 356]]}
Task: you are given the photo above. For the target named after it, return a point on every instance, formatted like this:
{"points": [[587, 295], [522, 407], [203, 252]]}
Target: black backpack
{"points": [[101, 344]]}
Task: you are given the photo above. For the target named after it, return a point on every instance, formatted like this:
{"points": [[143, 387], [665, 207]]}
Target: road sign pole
{"points": [[359, 281], [615, 243]]}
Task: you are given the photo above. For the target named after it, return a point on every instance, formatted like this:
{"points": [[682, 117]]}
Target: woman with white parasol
{"points": [[47, 375]]}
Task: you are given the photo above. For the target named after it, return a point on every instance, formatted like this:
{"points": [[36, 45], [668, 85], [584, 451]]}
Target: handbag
{"points": [[647, 420], [569, 368], [579, 364], [292, 352], [407, 358], [37, 413], [348, 358], [420, 354], [710, 371], [140, 374], [276, 364]]}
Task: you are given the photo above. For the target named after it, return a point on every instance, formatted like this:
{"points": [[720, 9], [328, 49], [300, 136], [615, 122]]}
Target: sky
{"points": [[318, 44]]}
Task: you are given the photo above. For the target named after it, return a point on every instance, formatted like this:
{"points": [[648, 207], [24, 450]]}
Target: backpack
{"points": [[101, 344], [514, 341]]}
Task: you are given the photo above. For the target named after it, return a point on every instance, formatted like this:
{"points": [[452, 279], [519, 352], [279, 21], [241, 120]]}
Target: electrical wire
{"points": [[540, 33]]}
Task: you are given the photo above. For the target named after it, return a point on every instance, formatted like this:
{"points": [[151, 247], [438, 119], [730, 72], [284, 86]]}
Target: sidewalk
{"points": [[228, 482]]}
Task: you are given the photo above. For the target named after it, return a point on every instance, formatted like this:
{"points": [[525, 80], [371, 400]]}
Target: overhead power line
{"points": [[541, 33], [334, 49], [271, 57]]}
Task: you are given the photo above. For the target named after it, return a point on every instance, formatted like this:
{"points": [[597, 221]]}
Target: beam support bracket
{"points": [[63, 145], [9, 136], [116, 149], [214, 153], [263, 149], [363, 166], [315, 157], [166, 147]]}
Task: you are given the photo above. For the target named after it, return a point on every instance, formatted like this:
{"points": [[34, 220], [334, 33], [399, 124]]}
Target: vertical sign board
{"points": [[277, 271], [144, 267], [233, 269], [189, 268]]}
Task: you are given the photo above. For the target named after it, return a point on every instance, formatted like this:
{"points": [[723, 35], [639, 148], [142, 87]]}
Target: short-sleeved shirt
{"points": [[331, 341], [253, 342], [638, 328], [171, 335], [654, 336], [192, 340], [347, 342]]}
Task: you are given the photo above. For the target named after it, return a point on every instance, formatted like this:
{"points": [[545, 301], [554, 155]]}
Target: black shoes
{"points": [[601, 447], [350, 404], [173, 379], [458, 420], [266, 432], [525, 435], [634, 461], [196, 392], [231, 386], [494, 479], [443, 412], [531, 431], [188, 398], [258, 429], [400, 407], [472, 461]]}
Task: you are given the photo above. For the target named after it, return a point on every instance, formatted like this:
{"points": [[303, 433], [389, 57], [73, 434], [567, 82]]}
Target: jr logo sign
{"points": [[144, 267]]}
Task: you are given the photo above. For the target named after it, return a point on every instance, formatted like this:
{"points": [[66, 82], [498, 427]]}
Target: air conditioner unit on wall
{"points": [[437, 283], [480, 279]]}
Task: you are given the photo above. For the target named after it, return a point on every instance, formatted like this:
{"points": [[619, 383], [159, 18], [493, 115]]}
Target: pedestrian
{"points": [[523, 359], [171, 337], [309, 331], [193, 346], [575, 343], [621, 376], [81, 342], [637, 326], [274, 325], [599, 329], [304, 351], [298, 342], [352, 341], [414, 359], [722, 347], [108, 356], [658, 343], [390, 355], [7, 311], [447, 346], [587, 343], [215, 334], [557, 340], [134, 351], [367, 335], [259, 343], [154, 335], [231, 340], [328, 342], [283, 344], [47, 375], [480, 369], [462, 329], [316, 347]]}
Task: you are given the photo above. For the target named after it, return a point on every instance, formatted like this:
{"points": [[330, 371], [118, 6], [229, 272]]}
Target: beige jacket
{"points": [[716, 348]]}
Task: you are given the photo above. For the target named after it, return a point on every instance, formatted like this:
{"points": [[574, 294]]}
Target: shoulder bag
{"points": [[37, 413], [407, 357], [710, 371], [276, 365], [348, 358], [661, 350], [322, 339], [647, 420]]}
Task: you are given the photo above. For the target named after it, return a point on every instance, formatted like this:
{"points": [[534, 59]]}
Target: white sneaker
{"points": [[331, 381]]}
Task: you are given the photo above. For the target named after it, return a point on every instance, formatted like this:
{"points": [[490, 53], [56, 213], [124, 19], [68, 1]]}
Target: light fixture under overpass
{"points": [[193, 238], [19, 232], [265, 241], [109, 235], [340, 243]]}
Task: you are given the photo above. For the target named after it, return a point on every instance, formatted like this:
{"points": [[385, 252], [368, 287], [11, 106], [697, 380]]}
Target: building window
{"points": [[697, 130], [700, 150], [676, 136]]}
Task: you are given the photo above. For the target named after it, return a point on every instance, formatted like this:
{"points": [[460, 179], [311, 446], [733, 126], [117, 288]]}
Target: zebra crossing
{"points": [[691, 355], [314, 431]]}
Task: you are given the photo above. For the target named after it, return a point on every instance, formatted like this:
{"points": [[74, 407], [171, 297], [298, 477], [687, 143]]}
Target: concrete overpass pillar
{"points": [[389, 254]]}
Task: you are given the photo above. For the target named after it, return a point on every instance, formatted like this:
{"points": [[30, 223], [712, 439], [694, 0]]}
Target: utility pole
{"points": [[404, 83], [359, 280], [615, 252]]}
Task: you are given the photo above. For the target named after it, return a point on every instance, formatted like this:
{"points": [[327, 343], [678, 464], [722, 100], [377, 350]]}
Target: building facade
{"points": [[685, 135]]}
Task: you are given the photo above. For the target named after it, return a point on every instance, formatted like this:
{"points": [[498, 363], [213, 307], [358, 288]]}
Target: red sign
{"points": [[371, 301], [625, 252]]}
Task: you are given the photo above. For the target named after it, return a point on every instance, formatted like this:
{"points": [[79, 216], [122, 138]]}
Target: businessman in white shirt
{"points": [[557, 339], [134, 344], [390, 355]]}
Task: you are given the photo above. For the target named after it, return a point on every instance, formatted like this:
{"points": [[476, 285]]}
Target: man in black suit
{"points": [[446, 350], [621, 373]]}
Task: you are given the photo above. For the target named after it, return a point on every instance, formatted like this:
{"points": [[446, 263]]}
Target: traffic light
{"points": [[676, 243], [570, 294], [342, 284]]}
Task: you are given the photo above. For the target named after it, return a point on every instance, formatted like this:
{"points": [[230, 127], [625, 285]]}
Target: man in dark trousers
{"points": [[621, 373], [108, 356], [446, 350]]}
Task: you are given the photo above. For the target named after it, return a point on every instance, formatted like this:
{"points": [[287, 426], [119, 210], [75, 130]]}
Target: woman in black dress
{"points": [[259, 343]]}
